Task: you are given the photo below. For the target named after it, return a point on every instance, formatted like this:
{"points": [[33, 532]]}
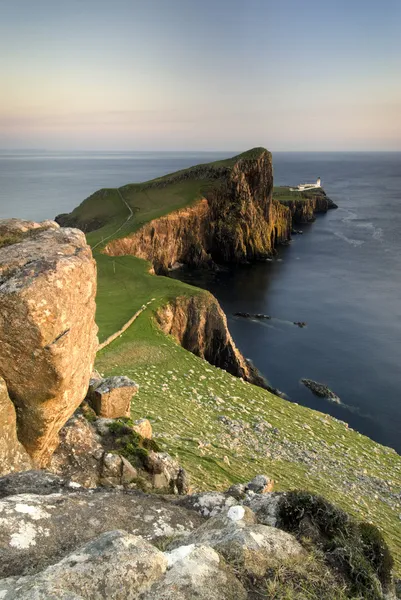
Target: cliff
{"points": [[304, 205], [199, 324], [235, 220]]}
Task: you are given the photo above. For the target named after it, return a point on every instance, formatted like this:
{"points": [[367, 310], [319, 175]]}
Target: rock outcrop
{"points": [[112, 453], [48, 336], [303, 209], [199, 324], [237, 220], [36, 530], [80, 545], [13, 456]]}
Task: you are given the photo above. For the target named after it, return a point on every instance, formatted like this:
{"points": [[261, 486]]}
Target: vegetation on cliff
{"points": [[221, 429]]}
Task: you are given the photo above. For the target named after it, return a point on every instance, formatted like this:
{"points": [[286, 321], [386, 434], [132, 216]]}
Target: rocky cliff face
{"points": [[304, 210], [200, 326], [236, 221], [48, 336]]}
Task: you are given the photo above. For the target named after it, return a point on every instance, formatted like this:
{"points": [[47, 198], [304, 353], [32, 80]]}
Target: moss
{"points": [[130, 444], [357, 552]]}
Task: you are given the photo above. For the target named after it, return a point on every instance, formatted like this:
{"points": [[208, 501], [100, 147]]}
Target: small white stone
{"points": [[236, 513], [178, 554]]}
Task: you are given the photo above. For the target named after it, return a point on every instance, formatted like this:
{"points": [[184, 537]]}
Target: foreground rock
{"points": [[38, 530], [111, 397], [197, 572], [80, 545], [244, 543], [47, 329], [13, 456], [321, 390], [114, 566]]}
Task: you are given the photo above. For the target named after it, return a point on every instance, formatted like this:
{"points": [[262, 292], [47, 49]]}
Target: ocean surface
{"points": [[342, 276]]}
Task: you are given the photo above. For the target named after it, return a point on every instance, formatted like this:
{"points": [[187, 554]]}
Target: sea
{"points": [[341, 276]]}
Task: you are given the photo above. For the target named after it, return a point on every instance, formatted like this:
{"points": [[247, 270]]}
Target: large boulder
{"points": [[114, 566], [48, 333], [196, 572], [111, 397], [13, 456], [235, 535], [37, 530]]}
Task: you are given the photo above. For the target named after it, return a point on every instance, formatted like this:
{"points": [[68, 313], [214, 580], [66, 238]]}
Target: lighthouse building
{"points": [[302, 187]]}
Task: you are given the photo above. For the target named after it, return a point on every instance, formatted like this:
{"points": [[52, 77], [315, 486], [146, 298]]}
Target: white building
{"points": [[302, 187]]}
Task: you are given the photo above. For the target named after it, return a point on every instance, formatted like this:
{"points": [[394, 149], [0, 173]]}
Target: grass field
{"points": [[221, 429]]}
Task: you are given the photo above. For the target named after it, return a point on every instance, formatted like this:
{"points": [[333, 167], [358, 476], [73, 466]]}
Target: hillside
{"points": [[221, 429]]}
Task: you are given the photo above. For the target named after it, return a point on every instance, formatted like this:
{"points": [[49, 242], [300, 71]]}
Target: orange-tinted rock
{"points": [[111, 397], [13, 456], [144, 428], [48, 336]]}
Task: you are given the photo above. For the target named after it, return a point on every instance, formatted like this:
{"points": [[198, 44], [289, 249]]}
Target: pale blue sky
{"points": [[200, 74]]}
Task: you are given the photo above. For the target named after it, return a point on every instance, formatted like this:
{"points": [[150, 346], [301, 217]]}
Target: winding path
{"points": [[131, 214]]}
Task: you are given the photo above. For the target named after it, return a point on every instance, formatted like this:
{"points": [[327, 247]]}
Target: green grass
{"points": [[104, 211], [184, 396]]}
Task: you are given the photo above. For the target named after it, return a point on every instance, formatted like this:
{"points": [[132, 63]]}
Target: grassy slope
{"points": [[185, 396]]}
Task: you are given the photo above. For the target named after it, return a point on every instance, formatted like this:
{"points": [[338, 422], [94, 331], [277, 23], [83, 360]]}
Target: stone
{"points": [[166, 472], [79, 453], [260, 484], [235, 535], [321, 390], [38, 530], [48, 338], [111, 397], [237, 491], [25, 589], [32, 482], [114, 566], [13, 456], [207, 504], [144, 428], [196, 572], [266, 507]]}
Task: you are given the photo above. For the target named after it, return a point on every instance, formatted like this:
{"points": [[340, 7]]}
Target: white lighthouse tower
{"points": [[318, 182]]}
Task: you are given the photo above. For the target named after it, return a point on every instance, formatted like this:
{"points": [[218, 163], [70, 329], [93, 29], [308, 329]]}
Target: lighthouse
{"points": [[318, 182]]}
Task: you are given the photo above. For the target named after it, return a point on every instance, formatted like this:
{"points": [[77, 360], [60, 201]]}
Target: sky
{"points": [[200, 74]]}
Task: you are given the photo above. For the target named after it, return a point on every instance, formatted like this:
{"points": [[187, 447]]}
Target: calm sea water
{"points": [[342, 276]]}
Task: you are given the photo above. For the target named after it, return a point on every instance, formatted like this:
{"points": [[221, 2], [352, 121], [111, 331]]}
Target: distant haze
{"points": [[200, 74]]}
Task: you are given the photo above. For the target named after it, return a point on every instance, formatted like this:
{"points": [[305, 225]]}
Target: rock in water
{"points": [[13, 456], [48, 333], [321, 390]]}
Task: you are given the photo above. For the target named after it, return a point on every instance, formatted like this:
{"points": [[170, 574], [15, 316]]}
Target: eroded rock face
{"points": [[13, 456], [236, 221], [38, 530], [199, 324], [48, 333]]}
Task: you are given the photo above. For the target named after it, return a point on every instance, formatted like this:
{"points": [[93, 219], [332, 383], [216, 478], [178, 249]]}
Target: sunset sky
{"points": [[200, 74]]}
